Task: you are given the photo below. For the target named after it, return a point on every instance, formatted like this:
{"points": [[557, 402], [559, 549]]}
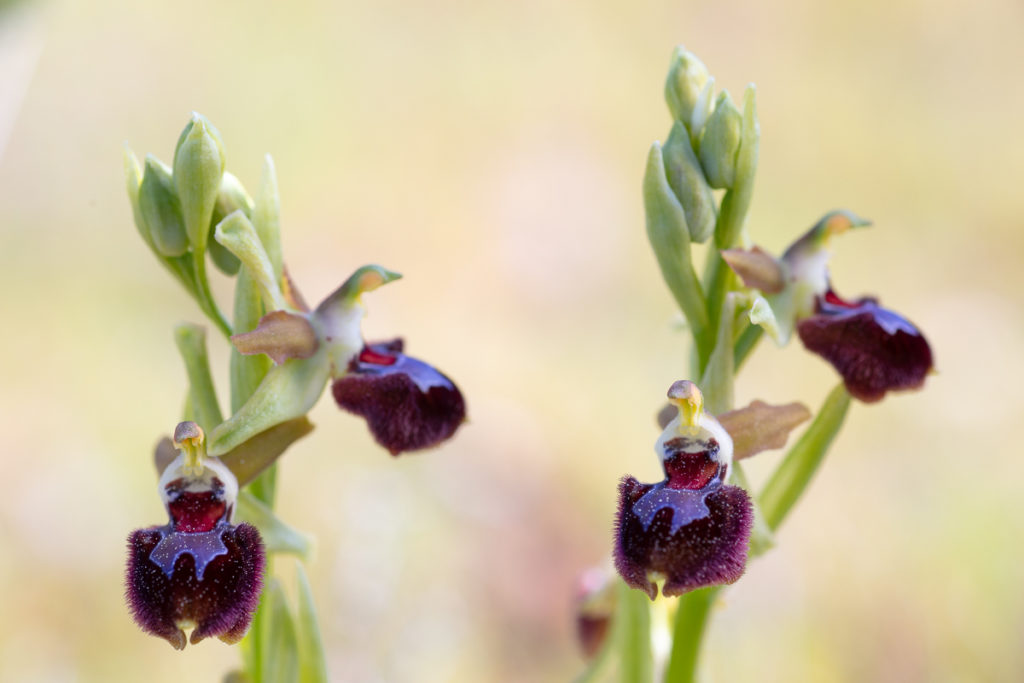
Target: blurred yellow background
{"points": [[492, 152]]}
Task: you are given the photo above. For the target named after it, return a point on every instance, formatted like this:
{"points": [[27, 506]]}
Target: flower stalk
{"points": [[202, 572], [693, 533]]}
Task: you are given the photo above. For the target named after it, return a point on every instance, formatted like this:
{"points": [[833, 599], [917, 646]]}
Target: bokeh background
{"points": [[492, 152]]}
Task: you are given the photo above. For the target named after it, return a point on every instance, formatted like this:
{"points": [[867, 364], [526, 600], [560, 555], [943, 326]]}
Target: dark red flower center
{"points": [[196, 511], [373, 357], [689, 469]]}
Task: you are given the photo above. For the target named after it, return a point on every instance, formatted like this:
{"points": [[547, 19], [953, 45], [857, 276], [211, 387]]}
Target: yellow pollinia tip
{"points": [[190, 440], [686, 397]]}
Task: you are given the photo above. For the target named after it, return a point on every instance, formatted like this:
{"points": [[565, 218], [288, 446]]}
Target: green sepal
{"points": [[239, 236], [687, 76], [198, 169], [720, 143], [160, 209], [287, 391], [231, 197], [191, 342], [266, 217], [670, 239], [279, 645], [253, 457], [312, 663], [686, 178], [792, 476], [364, 279], [278, 537], [736, 201]]}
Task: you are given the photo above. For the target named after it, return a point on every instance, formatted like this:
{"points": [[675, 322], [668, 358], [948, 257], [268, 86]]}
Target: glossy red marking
{"points": [[834, 299], [368, 355], [691, 471], [196, 511]]}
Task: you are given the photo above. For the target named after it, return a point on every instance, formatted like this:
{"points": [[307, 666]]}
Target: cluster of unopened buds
{"points": [[698, 526], [201, 571]]}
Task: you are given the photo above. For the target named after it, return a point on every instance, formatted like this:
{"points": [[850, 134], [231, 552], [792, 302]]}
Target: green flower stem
{"points": [[632, 626], [688, 634], [191, 342], [789, 481], [205, 297], [746, 343]]}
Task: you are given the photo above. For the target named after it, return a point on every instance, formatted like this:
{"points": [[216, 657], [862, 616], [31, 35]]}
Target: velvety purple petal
{"points": [[219, 601], [408, 405], [874, 349], [693, 538]]}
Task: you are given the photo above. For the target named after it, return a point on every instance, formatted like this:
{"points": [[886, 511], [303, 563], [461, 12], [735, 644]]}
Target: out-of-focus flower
{"points": [[199, 571], [692, 529], [875, 350], [595, 605], [408, 404]]}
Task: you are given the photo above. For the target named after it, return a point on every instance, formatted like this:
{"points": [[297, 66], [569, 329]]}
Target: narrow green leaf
{"points": [[789, 481], [191, 342], [312, 663]]}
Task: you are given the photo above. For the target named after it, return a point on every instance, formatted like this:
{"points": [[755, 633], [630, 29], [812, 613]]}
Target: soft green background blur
{"points": [[492, 152]]}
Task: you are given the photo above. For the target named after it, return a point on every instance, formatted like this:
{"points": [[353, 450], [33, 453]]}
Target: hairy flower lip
{"points": [[408, 405], [874, 349], [692, 538], [210, 584]]}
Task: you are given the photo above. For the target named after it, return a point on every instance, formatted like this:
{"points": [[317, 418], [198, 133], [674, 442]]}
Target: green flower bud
{"points": [[232, 197], [160, 209], [686, 78], [198, 168], [720, 142], [686, 178], [670, 240]]}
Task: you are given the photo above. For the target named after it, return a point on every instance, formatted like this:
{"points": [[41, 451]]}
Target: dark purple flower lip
{"points": [[875, 350], [207, 581], [692, 530], [408, 404]]}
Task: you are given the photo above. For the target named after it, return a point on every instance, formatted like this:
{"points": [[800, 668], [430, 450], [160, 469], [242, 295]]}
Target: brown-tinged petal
{"points": [[258, 453], [761, 426], [875, 350], [281, 335], [756, 268]]}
